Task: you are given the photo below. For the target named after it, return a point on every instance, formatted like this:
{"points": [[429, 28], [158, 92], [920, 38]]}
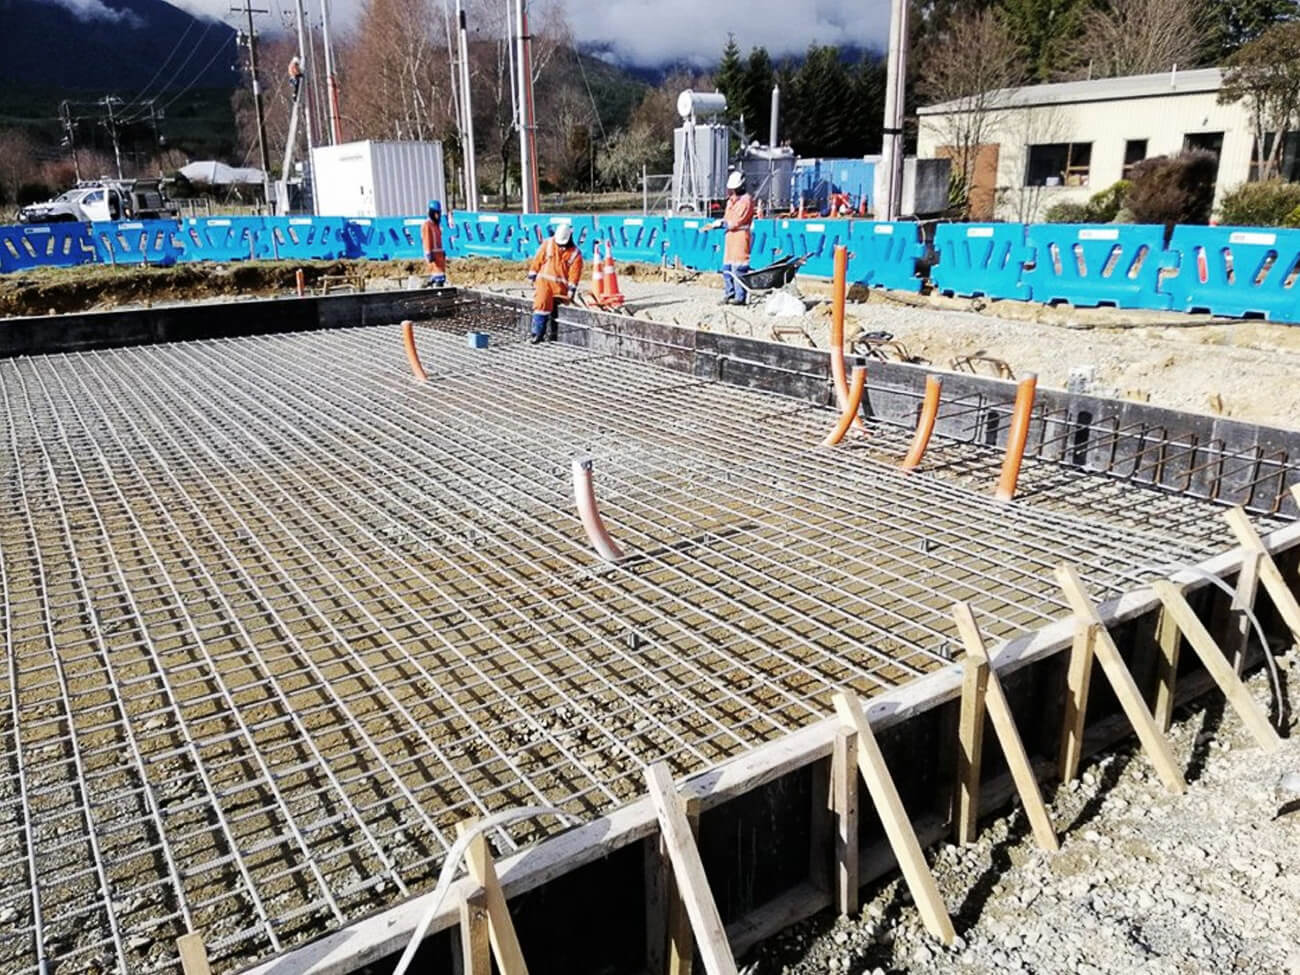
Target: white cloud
{"points": [[89, 10]]}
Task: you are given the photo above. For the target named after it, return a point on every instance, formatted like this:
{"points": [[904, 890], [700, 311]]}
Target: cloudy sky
{"points": [[652, 32]]}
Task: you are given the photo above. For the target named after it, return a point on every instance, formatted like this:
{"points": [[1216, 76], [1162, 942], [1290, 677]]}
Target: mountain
{"points": [[112, 45]]}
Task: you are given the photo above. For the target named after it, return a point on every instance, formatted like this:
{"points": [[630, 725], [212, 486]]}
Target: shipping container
{"points": [[378, 179]]}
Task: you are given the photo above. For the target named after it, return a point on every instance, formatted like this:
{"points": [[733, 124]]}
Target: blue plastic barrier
{"points": [[156, 242], [483, 235], [222, 239], [981, 259], [641, 239], [385, 238], [814, 238], [1238, 272], [45, 245], [303, 238], [1097, 265], [694, 247], [884, 255], [536, 227]]}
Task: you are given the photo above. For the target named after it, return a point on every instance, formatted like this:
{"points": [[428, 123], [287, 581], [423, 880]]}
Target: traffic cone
{"points": [[613, 298], [597, 276]]}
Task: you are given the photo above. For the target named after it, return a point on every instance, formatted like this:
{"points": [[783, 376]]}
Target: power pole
{"points": [[467, 109], [70, 136], [108, 101], [891, 152], [336, 130], [527, 123], [248, 10], [302, 59]]}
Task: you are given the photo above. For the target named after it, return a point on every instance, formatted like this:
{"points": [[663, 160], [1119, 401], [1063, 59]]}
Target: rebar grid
{"points": [[276, 617]]}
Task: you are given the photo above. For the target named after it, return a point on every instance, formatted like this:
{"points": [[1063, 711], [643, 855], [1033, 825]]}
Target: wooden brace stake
{"points": [[1078, 681], [898, 828], [1216, 664], [970, 748], [1004, 726], [688, 870], [194, 955], [844, 786], [1170, 641], [475, 939], [1269, 574], [1121, 681], [501, 930]]}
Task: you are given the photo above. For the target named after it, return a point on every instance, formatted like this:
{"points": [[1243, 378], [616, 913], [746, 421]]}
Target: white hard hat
{"points": [[735, 181], [563, 233]]}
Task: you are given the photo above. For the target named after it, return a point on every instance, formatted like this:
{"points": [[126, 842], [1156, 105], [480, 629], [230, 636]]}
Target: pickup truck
{"points": [[103, 200]]}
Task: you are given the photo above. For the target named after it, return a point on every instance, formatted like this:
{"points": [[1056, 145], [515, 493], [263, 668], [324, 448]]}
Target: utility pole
{"points": [[248, 10], [527, 123], [467, 109], [70, 136], [110, 123], [891, 150], [336, 131], [302, 59]]}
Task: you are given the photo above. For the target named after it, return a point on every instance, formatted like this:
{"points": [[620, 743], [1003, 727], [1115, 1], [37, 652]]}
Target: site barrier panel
{"points": [[155, 242], [45, 245], [222, 238], [483, 235], [304, 238], [1236, 271], [815, 239], [690, 242], [641, 239], [985, 259], [1097, 265], [884, 255], [536, 227]]}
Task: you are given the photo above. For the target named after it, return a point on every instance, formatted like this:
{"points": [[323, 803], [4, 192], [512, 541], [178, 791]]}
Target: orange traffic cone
{"points": [[613, 298], [597, 276]]}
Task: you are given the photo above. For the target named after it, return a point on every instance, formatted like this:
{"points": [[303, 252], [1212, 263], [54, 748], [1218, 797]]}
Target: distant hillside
{"points": [[112, 45]]}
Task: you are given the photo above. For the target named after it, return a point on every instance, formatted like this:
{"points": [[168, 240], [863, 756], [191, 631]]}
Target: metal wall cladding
{"points": [[379, 179]]}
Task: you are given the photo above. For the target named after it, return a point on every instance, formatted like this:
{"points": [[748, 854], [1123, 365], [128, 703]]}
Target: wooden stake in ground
{"points": [[970, 748], [1216, 664], [1121, 681], [688, 870], [844, 784], [1269, 574], [1170, 640], [1004, 726], [1078, 682], [501, 930], [898, 828]]}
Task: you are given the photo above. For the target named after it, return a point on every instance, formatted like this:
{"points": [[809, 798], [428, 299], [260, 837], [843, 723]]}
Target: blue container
{"points": [[476, 340]]}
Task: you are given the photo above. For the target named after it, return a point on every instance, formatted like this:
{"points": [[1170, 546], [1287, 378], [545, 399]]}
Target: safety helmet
{"points": [[735, 181], [563, 233], [435, 206]]}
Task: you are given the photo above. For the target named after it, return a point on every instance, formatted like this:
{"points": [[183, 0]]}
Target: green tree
{"points": [[821, 84], [1265, 76], [759, 78], [868, 104], [730, 78], [1046, 31], [1235, 23]]}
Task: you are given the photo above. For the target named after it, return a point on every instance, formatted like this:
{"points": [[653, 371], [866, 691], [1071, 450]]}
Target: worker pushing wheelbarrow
{"points": [[555, 271]]}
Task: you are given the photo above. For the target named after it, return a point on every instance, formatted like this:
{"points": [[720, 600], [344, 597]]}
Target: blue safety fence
{"points": [[222, 239], [154, 242], [484, 235], [534, 228], [1237, 272], [304, 238], [1116, 265], [48, 245], [641, 239], [690, 243], [981, 259], [815, 239], [884, 255], [385, 238]]}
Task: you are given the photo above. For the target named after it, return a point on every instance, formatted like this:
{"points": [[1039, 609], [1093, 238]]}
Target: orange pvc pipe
{"points": [[1016, 438], [850, 414], [924, 423], [408, 339], [301, 281], [584, 495], [838, 291]]}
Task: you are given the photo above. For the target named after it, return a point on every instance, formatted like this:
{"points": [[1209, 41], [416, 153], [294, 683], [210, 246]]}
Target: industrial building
{"points": [[1067, 141]]}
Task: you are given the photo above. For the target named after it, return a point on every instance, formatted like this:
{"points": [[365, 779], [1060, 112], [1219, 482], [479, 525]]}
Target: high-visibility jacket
{"points": [[431, 237], [557, 269], [739, 219]]}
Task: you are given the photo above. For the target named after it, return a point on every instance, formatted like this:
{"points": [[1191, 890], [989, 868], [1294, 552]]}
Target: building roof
{"points": [[1160, 85]]}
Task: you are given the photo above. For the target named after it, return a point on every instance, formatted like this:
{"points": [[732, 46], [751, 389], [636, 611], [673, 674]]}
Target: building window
{"points": [[1059, 164], [1135, 150], [1211, 142]]}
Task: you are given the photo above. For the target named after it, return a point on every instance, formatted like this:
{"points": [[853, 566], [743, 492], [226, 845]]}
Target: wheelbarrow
{"points": [[760, 282]]}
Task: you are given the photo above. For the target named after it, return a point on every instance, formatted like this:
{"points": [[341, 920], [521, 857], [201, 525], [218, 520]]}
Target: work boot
{"points": [[538, 338]]}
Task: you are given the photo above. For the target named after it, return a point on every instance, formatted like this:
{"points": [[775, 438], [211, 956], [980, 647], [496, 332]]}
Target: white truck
{"points": [[103, 200]]}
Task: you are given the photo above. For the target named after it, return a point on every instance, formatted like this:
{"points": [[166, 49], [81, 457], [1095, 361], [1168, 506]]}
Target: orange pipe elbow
{"points": [[584, 495], [924, 423], [850, 414], [408, 339], [1016, 438]]}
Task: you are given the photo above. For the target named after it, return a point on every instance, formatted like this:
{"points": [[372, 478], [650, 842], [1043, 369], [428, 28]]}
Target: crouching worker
{"points": [[434, 255], [555, 271]]}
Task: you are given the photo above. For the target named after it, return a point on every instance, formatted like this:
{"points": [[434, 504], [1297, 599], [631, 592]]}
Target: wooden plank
{"points": [[1130, 700], [771, 918], [1078, 681], [1216, 665], [501, 930], [475, 940], [1170, 640], [194, 954], [898, 828], [820, 828], [970, 748], [688, 871], [1243, 602], [656, 906], [844, 776], [1283, 599], [1004, 726]]}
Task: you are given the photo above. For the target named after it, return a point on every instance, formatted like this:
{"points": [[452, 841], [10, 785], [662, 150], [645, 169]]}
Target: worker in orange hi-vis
{"points": [[434, 254], [295, 75], [737, 220], [555, 271]]}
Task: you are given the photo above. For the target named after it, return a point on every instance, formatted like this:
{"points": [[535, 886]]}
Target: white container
{"points": [[701, 104], [378, 179]]}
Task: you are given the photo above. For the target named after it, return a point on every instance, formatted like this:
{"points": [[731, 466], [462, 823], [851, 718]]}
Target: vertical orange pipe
{"points": [[924, 423], [850, 413], [412, 356], [838, 290], [301, 281], [1016, 438]]}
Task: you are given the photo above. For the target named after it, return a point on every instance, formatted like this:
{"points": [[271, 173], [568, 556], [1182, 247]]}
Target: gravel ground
{"points": [[1145, 881]]}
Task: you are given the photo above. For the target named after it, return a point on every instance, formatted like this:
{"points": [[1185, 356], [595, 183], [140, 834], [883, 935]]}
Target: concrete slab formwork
{"points": [[277, 617]]}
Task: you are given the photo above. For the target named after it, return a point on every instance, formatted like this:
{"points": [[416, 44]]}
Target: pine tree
{"points": [[822, 86], [868, 104], [1046, 31], [1238, 22], [730, 78], [759, 78]]}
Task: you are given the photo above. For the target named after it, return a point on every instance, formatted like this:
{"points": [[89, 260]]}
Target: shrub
{"points": [[1266, 204], [1067, 211], [1100, 208], [1173, 189], [1292, 219]]}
